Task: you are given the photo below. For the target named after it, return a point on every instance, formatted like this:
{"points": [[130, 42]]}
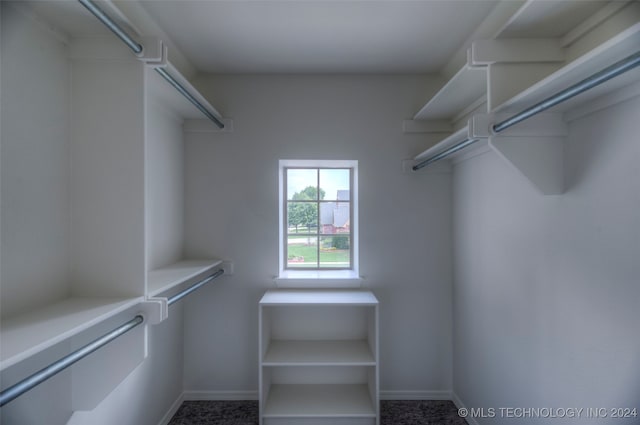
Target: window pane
{"points": [[302, 251], [302, 184], [335, 217], [335, 183], [335, 252], [302, 217]]}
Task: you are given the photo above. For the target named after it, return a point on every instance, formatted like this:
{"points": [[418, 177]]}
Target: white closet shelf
{"points": [[466, 87], [548, 18], [24, 335], [165, 278], [445, 143], [319, 353], [317, 401], [318, 297], [620, 46]]}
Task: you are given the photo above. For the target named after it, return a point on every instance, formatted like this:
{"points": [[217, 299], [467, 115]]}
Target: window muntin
{"points": [[318, 217]]}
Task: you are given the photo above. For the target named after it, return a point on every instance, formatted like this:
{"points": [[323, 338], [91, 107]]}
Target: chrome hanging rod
{"points": [[138, 48], [598, 78], [59, 365], [189, 96], [453, 149], [180, 295], [588, 83]]}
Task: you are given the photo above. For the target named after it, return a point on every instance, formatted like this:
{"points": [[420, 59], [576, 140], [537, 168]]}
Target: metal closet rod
{"points": [[113, 26], [138, 48], [453, 149], [58, 366], [594, 80], [189, 96], [180, 295]]}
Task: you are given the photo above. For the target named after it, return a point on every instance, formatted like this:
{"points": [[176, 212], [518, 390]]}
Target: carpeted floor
{"points": [[433, 412]]}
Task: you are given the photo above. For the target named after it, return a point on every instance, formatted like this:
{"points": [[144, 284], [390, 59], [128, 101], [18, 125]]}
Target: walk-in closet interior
{"points": [[325, 212]]}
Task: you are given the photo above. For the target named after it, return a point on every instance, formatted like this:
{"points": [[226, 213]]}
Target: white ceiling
{"points": [[304, 36]]}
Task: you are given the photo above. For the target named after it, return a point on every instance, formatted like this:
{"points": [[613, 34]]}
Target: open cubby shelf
{"points": [[318, 356]]}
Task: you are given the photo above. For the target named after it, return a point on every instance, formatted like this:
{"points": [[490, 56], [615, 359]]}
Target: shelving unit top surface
{"points": [[617, 48], [319, 401], [318, 353], [274, 297], [165, 278], [467, 86], [25, 335]]}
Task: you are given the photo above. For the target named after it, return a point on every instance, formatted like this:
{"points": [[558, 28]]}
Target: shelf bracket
{"points": [[534, 148], [155, 52], [515, 64], [155, 310]]}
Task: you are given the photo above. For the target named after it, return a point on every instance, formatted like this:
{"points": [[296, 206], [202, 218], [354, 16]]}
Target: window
{"points": [[318, 206]]}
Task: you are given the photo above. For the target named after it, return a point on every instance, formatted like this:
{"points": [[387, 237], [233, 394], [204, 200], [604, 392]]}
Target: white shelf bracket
{"points": [[534, 148], [515, 64], [155, 52], [155, 310], [228, 267]]}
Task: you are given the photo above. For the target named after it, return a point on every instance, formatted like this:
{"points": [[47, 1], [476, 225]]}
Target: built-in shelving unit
{"points": [[117, 235], [318, 357], [523, 67], [616, 48]]}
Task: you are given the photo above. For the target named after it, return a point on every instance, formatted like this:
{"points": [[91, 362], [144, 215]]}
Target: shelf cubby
{"points": [[318, 357]]}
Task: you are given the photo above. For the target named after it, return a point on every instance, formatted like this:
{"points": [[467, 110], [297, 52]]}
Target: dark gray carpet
{"points": [[432, 412]]}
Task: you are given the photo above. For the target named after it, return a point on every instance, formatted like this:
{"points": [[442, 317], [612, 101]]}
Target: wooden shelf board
{"points": [[305, 401], [319, 353], [24, 335], [467, 86], [165, 278], [275, 297], [618, 47]]}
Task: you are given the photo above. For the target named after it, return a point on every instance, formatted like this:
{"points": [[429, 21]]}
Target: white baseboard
{"points": [[459, 404], [172, 410], [220, 395], [415, 395]]}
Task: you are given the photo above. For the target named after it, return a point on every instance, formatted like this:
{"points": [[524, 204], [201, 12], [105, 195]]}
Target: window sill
{"points": [[317, 278]]}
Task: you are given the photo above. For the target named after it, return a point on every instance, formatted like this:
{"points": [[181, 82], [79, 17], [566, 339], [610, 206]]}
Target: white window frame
{"points": [[317, 278]]}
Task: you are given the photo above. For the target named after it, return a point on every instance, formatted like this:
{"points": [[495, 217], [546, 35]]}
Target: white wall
{"points": [[35, 164], [35, 198], [232, 212], [546, 289], [164, 180]]}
